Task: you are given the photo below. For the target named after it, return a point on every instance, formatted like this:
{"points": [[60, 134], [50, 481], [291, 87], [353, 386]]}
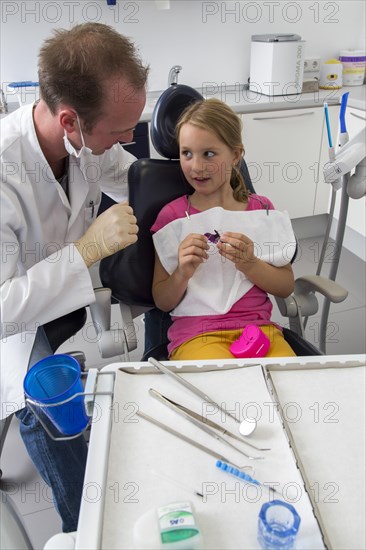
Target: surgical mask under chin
{"points": [[71, 149]]}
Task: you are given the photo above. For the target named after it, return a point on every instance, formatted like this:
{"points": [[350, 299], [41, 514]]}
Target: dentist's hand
{"points": [[113, 230]]}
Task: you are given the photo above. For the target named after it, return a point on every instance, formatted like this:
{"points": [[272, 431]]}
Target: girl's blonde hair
{"points": [[217, 117]]}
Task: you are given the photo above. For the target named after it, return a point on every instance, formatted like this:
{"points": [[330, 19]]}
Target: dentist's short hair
{"points": [[75, 64]]}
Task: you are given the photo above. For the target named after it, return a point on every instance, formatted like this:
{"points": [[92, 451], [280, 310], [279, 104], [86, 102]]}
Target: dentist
{"points": [[56, 157]]}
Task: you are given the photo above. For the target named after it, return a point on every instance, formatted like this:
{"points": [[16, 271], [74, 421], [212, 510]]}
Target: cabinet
{"points": [[355, 121], [283, 153]]}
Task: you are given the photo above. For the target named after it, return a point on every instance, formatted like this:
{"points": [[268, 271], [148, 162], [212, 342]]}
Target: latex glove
{"points": [[113, 230]]}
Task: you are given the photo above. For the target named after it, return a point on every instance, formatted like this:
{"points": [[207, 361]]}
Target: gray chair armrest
{"points": [[304, 295], [303, 302], [316, 283]]}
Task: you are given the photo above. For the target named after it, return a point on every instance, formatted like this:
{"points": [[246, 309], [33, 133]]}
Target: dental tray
{"points": [[134, 466]]}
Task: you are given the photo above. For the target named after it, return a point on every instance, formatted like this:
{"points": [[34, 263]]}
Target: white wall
{"points": [[211, 40]]}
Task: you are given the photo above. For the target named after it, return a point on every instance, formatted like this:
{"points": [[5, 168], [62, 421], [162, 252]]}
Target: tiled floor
{"points": [[346, 334]]}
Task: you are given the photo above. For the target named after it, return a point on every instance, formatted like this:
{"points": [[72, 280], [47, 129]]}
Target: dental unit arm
{"points": [[338, 171], [348, 157], [351, 156]]}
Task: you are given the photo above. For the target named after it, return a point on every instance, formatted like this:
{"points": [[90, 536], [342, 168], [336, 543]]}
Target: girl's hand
{"points": [[191, 253], [239, 249]]}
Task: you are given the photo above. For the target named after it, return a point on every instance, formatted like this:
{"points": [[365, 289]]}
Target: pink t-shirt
{"points": [[254, 307]]}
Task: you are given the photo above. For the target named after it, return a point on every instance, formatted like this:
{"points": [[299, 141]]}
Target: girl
{"points": [[209, 273]]}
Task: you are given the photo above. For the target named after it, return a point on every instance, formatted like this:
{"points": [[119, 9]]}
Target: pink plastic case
{"points": [[252, 343]]}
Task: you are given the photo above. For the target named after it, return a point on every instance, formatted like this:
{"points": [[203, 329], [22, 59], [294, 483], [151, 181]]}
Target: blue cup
{"points": [[278, 524], [53, 380]]}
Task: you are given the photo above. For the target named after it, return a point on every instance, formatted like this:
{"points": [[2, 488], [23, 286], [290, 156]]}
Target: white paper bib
{"points": [[216, 284]]}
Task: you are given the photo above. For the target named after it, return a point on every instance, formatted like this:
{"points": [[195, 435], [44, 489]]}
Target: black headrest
{"points": [[167, 111]]}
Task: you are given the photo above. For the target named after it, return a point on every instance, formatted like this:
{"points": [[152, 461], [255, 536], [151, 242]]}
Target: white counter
{"points": [[244, 101]]}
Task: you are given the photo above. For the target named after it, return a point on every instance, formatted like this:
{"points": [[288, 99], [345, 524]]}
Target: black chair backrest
{"points": [[128, 273], [167, 111]]}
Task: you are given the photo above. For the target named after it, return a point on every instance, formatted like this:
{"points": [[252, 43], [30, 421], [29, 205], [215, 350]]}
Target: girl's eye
{"points": [[186, 154], [209, 154]]}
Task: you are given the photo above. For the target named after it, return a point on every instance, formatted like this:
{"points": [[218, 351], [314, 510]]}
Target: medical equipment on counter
{"points": [[331, 75], [354, 65], [247, 426], [188, 416], [276, 64]]}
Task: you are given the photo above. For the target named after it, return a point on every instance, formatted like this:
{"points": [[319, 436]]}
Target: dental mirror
{"points": [[247, 426]]}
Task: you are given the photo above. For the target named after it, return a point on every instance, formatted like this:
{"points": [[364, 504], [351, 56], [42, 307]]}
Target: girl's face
{"points": [[205, 160]]}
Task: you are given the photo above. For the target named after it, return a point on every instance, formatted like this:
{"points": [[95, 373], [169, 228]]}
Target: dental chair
{"points": [[128, 274]]}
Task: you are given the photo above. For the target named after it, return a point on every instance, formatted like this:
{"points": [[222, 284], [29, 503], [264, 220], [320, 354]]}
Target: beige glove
{"points": [[113, 230]]}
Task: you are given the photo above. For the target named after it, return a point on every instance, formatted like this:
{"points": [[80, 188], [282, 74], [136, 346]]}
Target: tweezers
{"points": [[204, 420], [190, 387], [199, 393], [197, 420]]}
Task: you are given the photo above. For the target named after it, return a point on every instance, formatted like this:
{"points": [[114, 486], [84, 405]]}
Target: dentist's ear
{"points": [[68, 120]]}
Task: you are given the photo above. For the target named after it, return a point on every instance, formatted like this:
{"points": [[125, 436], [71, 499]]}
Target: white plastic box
{"points": [[277, 64]]}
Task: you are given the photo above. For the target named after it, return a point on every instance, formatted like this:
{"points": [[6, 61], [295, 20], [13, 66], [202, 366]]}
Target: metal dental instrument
{"points": [[202, 422], [199, 424], [185, 438], [194, 443], [247, 426]]}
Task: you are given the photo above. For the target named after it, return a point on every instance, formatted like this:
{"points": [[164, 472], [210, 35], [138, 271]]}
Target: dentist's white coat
{"points": [[42, 274]]}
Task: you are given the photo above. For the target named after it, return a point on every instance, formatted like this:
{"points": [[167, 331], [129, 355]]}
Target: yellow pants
{"points": [[215, 345]]}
